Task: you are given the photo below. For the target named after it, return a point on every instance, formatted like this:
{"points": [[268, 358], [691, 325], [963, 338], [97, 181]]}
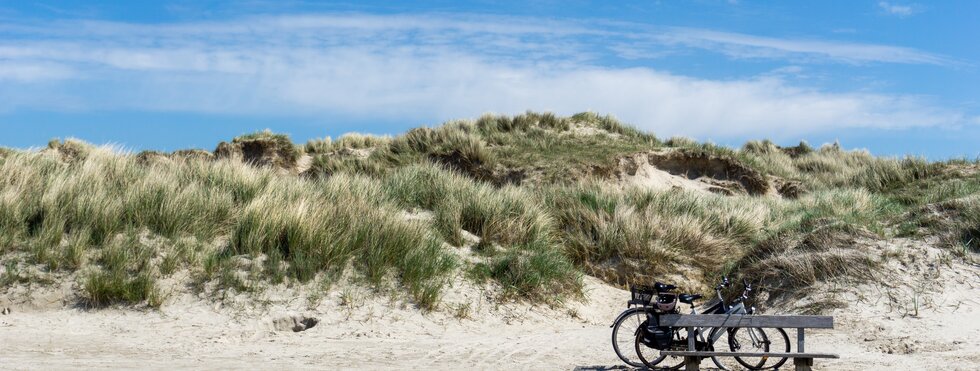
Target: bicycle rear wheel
{"points": [[624, 335], [653, 358]]}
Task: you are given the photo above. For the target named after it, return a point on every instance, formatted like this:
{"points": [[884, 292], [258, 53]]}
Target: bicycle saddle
{"points": [[688, 298], [662, 287]]}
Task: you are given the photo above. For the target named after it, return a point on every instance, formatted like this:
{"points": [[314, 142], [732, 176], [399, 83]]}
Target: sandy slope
{"points": [[383, 333], [926, 317], [377, 333]]}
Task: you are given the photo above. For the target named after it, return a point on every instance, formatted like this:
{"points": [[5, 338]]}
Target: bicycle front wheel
{"points": [[756, 340], [721, 362], [776, 340]]}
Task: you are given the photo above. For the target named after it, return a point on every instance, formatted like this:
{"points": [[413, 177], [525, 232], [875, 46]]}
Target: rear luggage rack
{"points": [[642, 294]]}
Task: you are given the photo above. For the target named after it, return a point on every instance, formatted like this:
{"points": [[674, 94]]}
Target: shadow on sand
{"points": [[628, 368]]}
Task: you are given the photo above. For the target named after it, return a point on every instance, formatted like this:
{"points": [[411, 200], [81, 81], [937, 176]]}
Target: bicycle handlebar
{"points": [[747, 288], [724, 283]]}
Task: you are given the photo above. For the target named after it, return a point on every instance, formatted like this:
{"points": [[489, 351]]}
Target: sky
{"points": [[892, 77]]}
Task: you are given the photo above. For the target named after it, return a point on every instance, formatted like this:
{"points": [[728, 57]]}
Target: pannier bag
{"points": [[654, 336]]}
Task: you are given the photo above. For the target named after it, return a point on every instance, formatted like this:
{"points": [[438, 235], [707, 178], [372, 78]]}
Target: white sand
{"points": [[375, 333], [926, 317], [380, 332]]}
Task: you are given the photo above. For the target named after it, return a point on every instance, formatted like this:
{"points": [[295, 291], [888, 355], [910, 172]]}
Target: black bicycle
{"points": [[630, 329], [750, 340], [628, 322]]}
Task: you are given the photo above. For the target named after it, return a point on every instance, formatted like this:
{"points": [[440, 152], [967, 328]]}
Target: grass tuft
{"points": [[530, 187]]}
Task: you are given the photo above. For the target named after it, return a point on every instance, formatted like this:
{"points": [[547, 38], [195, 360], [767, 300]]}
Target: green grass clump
{"points": [[108, 288], [640, 235], [506, 216], [314, 230], [831, 167], [454, 145], [263, 148], [935, 189], [325, 166], [956, 221], [70, 149], [536, 271], [263, 135], [969, 226], [530, 263], [123, 274], [171, 209]]}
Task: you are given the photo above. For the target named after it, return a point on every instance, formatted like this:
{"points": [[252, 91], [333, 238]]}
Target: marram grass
{"points": [[118, 224]]}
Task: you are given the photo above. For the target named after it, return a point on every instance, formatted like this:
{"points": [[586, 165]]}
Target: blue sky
{"points": [[895, 77]]}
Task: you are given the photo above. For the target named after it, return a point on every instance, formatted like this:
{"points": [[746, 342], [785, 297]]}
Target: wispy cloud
{"points": [[424, 68], [19, 71], [489, 34], [898, 9], [749, 46]]}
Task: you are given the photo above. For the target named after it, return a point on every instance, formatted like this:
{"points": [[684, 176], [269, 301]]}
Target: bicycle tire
{"points": [[671, 365], [761, 364], [630, 336], [771, 341], [711, 347]]}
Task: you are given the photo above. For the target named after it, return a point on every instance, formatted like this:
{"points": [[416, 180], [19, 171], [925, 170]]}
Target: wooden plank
{"points": [[738, 320], [684, 353]]}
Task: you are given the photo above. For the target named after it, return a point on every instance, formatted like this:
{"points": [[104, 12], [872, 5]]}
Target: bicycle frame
{"points": [[701, 338], [721, 308]]}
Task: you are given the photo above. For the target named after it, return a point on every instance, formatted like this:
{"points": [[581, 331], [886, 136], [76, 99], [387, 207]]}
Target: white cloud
{"points": [[749, 46], [428, 69], [487, 34], [18, 71], [897, 9]]}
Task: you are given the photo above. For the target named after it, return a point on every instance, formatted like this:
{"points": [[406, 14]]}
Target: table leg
{"points": [[692, 363], [803, 364], [799, 340], [690, 339]]}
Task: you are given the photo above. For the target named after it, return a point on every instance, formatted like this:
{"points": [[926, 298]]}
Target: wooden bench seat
{"points": [[802, 360], [737, 320], [686, 353]]}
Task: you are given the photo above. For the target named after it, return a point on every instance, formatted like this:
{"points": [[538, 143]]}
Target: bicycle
{"points": [[754, 334], [738, 338], [634, 315]]}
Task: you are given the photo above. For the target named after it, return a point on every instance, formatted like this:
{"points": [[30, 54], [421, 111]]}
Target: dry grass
{"points": [[67, 210], [492, 147], [529, 262], [830, 167], [123, 221], [61, 208], [640, 235], [349, 140]]}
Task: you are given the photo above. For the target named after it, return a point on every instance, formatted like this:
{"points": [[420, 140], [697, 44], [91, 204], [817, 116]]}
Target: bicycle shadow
{"points": [[627, 368]]}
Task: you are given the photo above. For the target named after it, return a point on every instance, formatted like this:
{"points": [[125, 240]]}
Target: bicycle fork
{"points": [[756, 342]]}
